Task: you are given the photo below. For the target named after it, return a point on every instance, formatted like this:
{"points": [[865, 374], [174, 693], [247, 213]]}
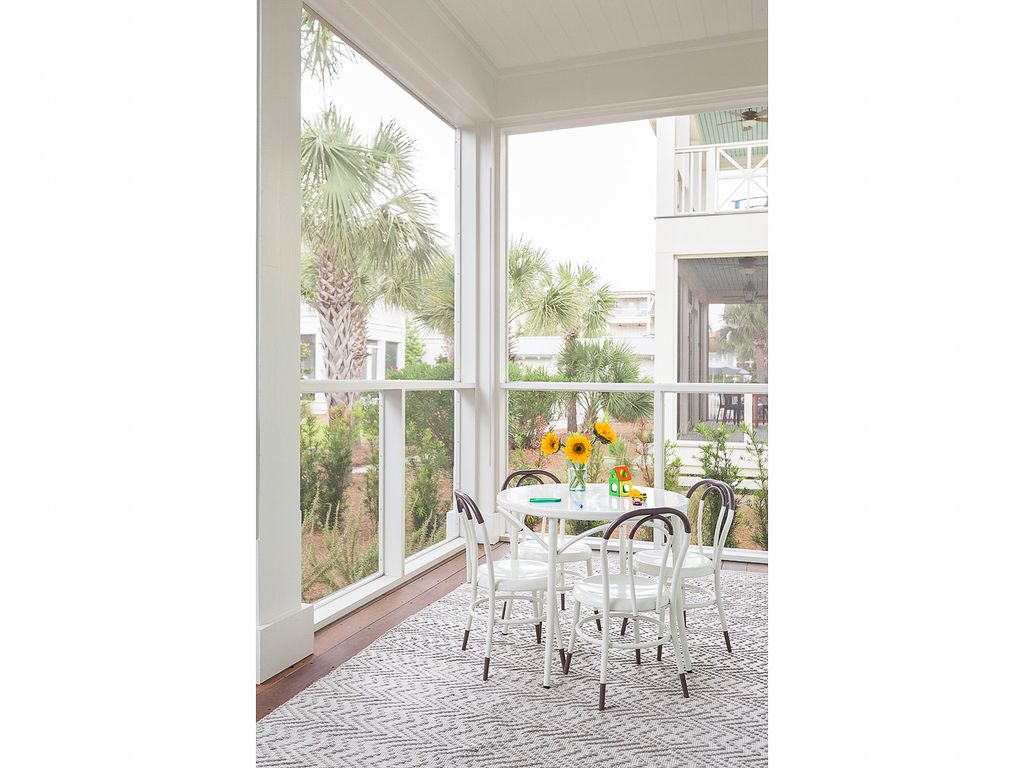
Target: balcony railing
{"points": [[721, 177]]}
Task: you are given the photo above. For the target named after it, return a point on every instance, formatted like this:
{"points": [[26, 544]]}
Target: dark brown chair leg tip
{"points": [[561, 657], [465, 639], [537, 628], [487, 665], [637, 655], [728, 645], [623, 630], [563, 601], [565, 665], [600, 700], [659, 652], [682, 679]]}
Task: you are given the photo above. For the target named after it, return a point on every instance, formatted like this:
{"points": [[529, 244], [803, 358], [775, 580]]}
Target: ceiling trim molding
{"points": [[633, 54], [467, 39], [640, 109]]}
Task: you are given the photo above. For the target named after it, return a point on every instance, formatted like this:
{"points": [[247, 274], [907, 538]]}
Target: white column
{"points": [[392, 490], [284, 632], [666, 167], [748, 408]]}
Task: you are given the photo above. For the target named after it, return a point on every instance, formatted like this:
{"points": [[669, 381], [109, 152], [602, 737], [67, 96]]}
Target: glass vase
{"points": [[577, 476]]}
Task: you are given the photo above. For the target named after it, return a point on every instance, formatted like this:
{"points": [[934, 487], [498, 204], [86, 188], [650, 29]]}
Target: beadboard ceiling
{"points": [[513, 34]]}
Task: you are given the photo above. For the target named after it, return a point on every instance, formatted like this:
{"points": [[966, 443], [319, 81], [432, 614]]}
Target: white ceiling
{"points": [[522, 33]]}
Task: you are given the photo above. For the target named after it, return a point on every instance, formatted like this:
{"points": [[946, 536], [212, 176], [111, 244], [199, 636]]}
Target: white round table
{"points": [[593, 504]]}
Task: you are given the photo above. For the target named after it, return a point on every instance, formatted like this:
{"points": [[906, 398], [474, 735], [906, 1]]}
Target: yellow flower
{"points": [[604, 430], [549, 444], [578, 448]]}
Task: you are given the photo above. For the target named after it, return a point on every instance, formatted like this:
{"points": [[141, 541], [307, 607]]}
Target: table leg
{"points": [[549, 641], [514, 540]]}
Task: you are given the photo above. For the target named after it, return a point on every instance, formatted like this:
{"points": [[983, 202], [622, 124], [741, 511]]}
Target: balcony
{"points": [[721, 178]]}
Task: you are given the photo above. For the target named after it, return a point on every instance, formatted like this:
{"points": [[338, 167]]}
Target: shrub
{"points": [[336, 552], [716, 464], [426, 500], [530, 413], [758, 450], [310, 457], [340, 438]]}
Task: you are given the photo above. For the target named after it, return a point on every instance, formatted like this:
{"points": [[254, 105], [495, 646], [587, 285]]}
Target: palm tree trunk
{"points": [[342, 329], [761, 363]]}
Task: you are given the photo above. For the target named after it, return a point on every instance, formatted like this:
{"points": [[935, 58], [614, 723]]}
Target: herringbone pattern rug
{"points": [[413, 698]]}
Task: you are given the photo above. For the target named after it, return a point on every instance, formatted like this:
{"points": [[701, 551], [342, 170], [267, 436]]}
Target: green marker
{"points": [[543, 500]]}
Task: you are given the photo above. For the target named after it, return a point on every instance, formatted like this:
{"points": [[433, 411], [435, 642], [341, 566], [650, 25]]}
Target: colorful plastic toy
{"points": [[638, 497], [620, 482]]}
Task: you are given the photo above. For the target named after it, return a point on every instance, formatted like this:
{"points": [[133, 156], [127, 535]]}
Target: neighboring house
{"points": [[711, 242], [385, 346]]}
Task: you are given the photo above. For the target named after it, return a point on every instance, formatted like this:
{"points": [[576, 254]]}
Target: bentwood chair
{"points": [[498, 581], [537, 550], [703, 560], [636, 596]]}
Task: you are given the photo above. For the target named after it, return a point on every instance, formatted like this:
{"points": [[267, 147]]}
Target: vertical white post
{"points": [[392, 497], [284, 624], [748, 408], [659, 439], [712, 189]]}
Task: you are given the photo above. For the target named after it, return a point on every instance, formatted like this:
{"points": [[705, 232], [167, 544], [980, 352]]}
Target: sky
{"points": [[583, 194], [588, 195]]}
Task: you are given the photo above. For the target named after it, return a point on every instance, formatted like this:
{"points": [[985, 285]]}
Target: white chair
{"points": [[579, 552], [636, 596], [703, 560], [500, 581]]}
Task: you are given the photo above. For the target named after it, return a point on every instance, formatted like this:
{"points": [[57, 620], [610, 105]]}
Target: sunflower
{"points": [[604, 432], [550, 444], [578, 448]]}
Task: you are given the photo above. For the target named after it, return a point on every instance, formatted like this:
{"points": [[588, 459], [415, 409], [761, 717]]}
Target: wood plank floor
{"points": [[337, 643]]}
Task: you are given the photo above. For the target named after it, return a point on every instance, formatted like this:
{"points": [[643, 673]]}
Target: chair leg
{"points": [[636, 637], [675, 630], [687, 664], [599, 620], [572, 637], [536, 613], [491, 612], [506, 609], [606, 641], [721, 612], [622, 632], [469, 620], [661, 618]]}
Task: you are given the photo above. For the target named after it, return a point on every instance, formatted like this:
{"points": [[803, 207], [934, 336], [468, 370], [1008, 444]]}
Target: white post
{"points": [[284, 624], [659, 439], [748, 408], [392, 492]]}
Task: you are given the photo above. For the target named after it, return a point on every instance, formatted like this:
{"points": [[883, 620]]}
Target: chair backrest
{"points": [[474, 531], [529, 477], [727, 511], [676, 525], [532, 477]]}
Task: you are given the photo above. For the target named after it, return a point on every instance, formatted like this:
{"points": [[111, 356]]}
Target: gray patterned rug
{"points": [[413, 698]]}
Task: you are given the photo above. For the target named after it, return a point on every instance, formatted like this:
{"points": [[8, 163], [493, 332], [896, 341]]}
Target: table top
{"points": [[594, 504]]}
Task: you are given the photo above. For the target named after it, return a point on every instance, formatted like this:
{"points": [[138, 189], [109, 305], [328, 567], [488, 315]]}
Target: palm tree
{"points": [[436, 308], [323, 52], [605, 362], [571, 303], [745, 334], [368, 235]]}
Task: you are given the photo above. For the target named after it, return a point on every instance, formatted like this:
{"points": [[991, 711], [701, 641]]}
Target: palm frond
{"points": [[323, 52]]}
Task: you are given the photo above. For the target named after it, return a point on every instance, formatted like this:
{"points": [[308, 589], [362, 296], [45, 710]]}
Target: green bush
{"points": [[325, 461], [426, 501], [716, 465], [530, 413], [346, 557], [758, 450]]}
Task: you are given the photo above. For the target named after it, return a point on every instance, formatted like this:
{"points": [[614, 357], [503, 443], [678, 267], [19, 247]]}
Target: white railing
{"points": [[659, 391], [717, 178]]}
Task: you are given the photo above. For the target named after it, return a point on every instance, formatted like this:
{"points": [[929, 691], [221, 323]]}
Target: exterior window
{"points": [[307, 356], [390, 355], [372, 353]]}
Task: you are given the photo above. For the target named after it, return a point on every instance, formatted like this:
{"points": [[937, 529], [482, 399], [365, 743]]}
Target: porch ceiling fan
{"points": [[748, 117]]}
